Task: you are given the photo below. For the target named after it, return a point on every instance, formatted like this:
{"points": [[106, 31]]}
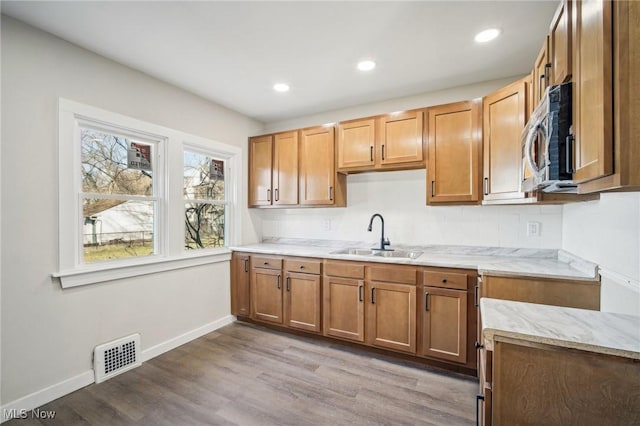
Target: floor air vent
{"points": [[118, 356]]}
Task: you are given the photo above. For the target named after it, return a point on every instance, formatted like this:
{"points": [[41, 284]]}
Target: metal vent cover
{"points": [[115, 357]]}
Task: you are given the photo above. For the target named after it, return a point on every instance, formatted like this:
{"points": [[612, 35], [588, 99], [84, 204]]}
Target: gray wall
{"points": [[48, 334]]}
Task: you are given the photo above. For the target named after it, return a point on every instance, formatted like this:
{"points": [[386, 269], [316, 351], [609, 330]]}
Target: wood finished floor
{"points": [[247, 375]]}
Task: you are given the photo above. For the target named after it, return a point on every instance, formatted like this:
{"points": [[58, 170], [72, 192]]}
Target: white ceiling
{"points": [[233, 52]]}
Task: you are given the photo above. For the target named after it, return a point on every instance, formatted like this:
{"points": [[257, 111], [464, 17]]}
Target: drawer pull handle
{"points": [[478, 399]]}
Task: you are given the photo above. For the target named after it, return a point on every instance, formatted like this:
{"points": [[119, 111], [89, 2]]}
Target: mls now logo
{"points": [[21, 413]]}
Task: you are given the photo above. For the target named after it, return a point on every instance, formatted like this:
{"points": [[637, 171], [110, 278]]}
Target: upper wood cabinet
{"points": [[356, 144], [606, 95], [504, 116], [541, 71], [592, 112], [401, 138], [273, 170], [388, 142], [285, 168], [454, 151], [260, 169], [559, 44], [319, 182]]}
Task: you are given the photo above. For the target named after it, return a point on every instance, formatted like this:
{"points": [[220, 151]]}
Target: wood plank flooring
{"points": [[244, 374]]}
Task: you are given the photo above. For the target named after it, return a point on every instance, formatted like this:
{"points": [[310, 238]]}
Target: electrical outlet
{"points": [[533, 229], [326, 224]]}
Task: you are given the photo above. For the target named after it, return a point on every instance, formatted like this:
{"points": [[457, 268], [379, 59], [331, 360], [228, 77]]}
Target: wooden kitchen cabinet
{"points": [[285, 168], [356, 144], [541, 71], [444, 327], [593, 96], [391, 307], [607, 92], [387, 142], [401, 138], [454, 147], [559, 44], [319, 183], [266, 289], [343, 300], [260, 170], [391, 316], [240, 282], [504, 117], [537, 383], [302, 308], [273, 170], [582, 294]]}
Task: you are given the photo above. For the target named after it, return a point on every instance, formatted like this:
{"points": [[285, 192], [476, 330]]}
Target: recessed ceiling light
{"points": [[281, 87], [487, 35], [367, 65]]}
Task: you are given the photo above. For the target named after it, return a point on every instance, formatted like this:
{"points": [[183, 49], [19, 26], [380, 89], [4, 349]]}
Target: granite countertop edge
{"points": [[540, 263], [587, 330]]}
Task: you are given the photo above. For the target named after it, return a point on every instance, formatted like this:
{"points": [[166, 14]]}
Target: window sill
{"points": [[102, 273]]}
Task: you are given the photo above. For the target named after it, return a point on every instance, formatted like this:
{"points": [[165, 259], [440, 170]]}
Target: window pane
{"points": [[117, 229], [203, 177], [204, 225], [114, 164]]}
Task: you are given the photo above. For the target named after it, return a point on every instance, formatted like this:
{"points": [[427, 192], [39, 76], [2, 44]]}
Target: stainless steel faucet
{"points": [[383, 241]]}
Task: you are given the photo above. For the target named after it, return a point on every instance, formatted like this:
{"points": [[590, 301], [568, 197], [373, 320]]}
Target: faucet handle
{"points": [[386, 242]]}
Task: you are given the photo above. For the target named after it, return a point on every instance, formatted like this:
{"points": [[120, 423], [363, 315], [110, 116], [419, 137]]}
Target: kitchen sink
{"points": [[399, 254]]}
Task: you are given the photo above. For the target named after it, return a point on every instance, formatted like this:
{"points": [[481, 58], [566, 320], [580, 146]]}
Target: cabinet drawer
{"points": [[303, 266], [445, 279], [344, 269], [393, 274], [266, 262]]}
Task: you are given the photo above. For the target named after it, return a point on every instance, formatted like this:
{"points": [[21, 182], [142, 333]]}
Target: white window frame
{"points": [[167, 176]]}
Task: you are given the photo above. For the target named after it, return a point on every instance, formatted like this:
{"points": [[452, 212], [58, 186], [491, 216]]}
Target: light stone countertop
{"points": [[593, 331], [543, 263]]}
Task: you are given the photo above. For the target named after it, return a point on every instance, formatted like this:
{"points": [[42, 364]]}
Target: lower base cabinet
{"points": [[532, 383], [240, 280], [444, 325], [343, 311], [266, 295], [302, 301]]}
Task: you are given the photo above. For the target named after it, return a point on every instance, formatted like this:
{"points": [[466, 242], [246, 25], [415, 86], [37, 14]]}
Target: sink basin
{"points": [[400, 254]]}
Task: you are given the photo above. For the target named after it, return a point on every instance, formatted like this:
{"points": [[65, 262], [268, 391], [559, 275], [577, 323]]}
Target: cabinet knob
{"points": [[301, 266], [265, 263], [444, 281]]}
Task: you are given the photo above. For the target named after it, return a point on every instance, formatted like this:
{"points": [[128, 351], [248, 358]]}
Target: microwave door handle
{"points": [[531, 136]]}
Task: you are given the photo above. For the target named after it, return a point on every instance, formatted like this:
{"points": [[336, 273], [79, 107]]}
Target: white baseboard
{"points": [[48, 394], [180, 340]]}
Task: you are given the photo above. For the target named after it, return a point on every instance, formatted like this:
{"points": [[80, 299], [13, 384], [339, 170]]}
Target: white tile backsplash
{"points": [[400, 197]]}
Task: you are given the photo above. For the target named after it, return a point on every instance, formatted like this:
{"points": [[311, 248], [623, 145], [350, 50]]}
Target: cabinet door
{"points": [[401, 138], [317, 166], [444, 327], [285, 169], [266, 295], [260, 154], [592, 95], [240, 302], [560, 44], [343, 308], [302, 301], [455, 138], [541, 72], [391, 316], [504, 118], [356, 144]]}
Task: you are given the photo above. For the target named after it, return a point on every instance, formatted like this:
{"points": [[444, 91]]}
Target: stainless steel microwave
{"points": [[547, 144]]}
